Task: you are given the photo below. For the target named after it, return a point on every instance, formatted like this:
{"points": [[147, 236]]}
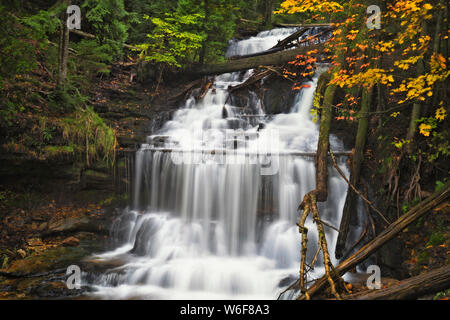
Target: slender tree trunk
{"points": [[324, 144], [203, 51], [436, 50], [350, 202], [380, 103], [63, 54], [415, 113], [268, 11]]}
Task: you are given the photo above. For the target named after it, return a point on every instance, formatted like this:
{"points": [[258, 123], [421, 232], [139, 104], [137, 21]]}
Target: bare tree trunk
{"points": [[437, 50], [268, 13], [350, 202], [270, 59], [63, 54], [203, 50], [324, 145], [415, 113], [301, 25]]}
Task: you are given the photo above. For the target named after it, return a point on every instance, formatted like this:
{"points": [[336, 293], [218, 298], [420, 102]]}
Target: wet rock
{"points": [[278, 96], [101, 265], [68, 225], [97, 180], [70, 242], [51, 290]]}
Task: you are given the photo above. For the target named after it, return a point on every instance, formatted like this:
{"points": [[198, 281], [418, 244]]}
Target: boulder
{"points": [[68, 225]]}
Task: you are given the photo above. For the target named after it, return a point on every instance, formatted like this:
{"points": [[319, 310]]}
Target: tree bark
{"points": [[268, 13], [203, 50], [430, 282], [389, 233], [289, 39], [283, 45], [301, 25], [324, 145], [358, 157], [272, 59], [415, 113], [63, 54]]}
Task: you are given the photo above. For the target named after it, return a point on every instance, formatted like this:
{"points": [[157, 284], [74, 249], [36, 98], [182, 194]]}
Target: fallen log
{"points": [[271, 59], [204, 89], [256, 54], [430, 282], [390, 232], [278, 48], [289, 39], [302, 25], [254, 78]]}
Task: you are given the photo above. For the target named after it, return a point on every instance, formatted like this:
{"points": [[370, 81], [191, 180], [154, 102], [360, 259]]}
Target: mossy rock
{"points": [[49, 260]]}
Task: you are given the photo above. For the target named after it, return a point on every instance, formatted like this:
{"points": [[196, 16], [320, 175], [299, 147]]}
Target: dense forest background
{"points": [[46, 82]]}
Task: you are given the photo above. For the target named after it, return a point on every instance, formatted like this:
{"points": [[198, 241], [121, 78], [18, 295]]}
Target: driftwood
{"points": [[389, 233], [430, 282], [256, 54], [254, 78], [289, 39], [309, 205], [301, 25], [204, 89], [284, 44], [271, 59]]}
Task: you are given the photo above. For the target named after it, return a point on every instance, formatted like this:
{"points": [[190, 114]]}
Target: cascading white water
{"points": [[221, 231]]}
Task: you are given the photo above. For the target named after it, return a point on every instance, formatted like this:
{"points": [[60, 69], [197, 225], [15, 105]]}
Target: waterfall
{"points": [[208, 229]]}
